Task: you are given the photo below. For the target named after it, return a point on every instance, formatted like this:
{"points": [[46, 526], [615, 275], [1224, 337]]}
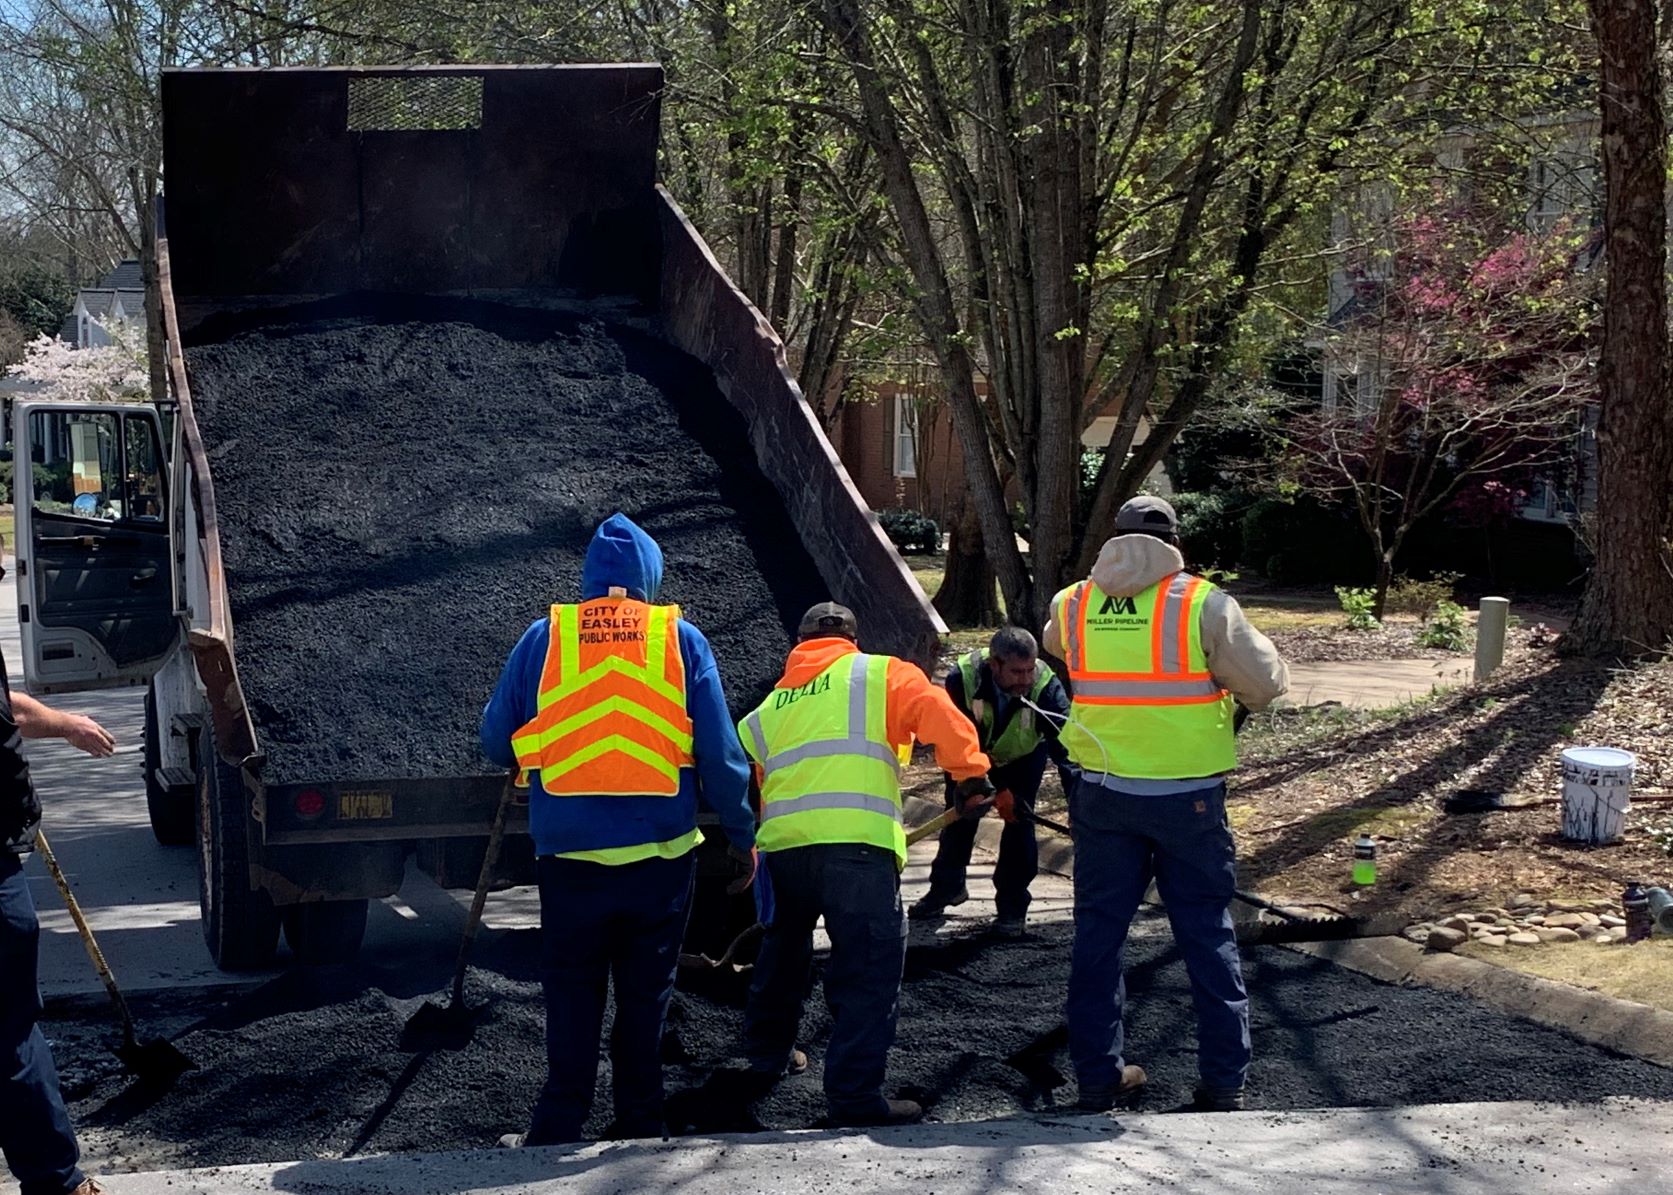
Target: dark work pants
{"points": [[857, 890], [35, 1132], [1019, 850], [1183, 840], [603, 926]]}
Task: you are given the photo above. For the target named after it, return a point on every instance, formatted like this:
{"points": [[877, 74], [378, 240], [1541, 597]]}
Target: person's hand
{"points": [[747, 862], [84, 734], [1006, 805], [974, 796]]}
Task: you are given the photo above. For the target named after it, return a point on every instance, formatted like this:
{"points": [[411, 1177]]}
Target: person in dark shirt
{"points": [[35, 1133], [997, 690]]}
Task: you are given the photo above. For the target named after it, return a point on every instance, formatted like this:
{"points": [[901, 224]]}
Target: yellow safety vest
{"points": [[828, 771], [1144, 703]]}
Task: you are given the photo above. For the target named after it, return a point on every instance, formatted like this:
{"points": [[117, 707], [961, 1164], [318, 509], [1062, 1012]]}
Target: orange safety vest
{"points": [[611, 717]]}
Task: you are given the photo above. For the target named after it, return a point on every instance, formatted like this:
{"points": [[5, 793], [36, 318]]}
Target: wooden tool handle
{"points": [[86, 931]]}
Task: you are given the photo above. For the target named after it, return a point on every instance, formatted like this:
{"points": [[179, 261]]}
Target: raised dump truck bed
{"points": [[426, 328]]}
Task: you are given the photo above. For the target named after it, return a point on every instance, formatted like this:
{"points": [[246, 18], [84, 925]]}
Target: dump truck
{"points": [[170, 545]]}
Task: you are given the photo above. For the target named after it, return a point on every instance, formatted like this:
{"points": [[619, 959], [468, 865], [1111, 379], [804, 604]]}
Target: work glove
{"points": [[746, 863], [1006, 804], [974, 797]]}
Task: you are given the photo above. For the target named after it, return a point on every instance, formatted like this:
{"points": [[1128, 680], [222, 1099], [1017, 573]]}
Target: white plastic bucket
{"points": [[1597, 790]]}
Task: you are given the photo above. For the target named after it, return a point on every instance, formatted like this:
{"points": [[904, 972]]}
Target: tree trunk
{"points": [[968, 596], [1627, 608], [1385, 578], [156, 339]]}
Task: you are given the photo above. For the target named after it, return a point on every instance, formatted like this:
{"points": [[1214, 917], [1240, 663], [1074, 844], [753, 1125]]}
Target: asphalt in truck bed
{"points": [[313, 1064], [404, 485]]}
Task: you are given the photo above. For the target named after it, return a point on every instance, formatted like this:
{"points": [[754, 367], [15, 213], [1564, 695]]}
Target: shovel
{"points": [[151, 1061], [434, 1024]]}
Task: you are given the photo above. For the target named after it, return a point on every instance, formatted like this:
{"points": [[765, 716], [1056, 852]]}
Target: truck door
{"points": [[95, 582]]}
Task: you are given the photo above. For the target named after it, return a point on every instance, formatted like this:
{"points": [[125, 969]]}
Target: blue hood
{"points": [[621, 555]]}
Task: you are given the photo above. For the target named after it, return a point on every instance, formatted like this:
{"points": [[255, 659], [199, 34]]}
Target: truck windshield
{"points": [[96, 465]]}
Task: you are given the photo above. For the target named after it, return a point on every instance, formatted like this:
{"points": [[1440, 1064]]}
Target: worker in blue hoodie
{"points": [[613, 706]]}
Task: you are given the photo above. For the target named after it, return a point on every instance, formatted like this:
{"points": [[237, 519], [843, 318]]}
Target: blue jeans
{"points": [[857, 890], [1019, 850], [35, 1133], [600, 924], [1185, 843]]}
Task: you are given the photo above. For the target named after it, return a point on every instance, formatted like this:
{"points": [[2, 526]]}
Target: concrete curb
{"points": [[1620, 1025], [1057, 853]]}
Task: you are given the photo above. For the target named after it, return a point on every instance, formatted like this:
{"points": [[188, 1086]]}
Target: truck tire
{"points": [[325, 931], [240, 924], [170, 806]]}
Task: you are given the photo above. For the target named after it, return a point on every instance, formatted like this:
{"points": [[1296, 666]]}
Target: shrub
{"points": [[1407, 595], [910, 530], [1315, 542], [1358, 605], [1445, 627], [1210, 531]]}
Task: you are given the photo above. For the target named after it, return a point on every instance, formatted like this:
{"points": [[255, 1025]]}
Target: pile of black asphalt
{"points": [[315, 1063], [402, 486]]}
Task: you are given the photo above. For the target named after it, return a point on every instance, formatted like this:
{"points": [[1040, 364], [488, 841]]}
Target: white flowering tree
{"points": [[116, 372]]}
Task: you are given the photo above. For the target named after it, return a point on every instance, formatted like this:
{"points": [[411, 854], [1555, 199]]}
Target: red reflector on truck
{"points": [[310, 802]]}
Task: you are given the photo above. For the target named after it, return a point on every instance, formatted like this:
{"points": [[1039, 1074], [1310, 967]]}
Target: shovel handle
{"points": [[86, 931], [934, 826], [480, 898]]}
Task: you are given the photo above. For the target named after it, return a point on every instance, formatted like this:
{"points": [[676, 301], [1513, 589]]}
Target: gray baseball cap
{"points": [[1146, 513], [829, 619]]}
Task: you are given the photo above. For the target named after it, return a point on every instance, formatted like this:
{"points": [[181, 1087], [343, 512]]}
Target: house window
{"points": [[906, 436]]}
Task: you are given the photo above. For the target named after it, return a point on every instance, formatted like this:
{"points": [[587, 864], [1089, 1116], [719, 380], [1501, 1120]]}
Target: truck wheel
{"points": [[325, 931], [170, 806], [240, 925]]}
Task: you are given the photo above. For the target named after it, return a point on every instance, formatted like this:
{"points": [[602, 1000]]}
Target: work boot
{"points": [[1010, 927], [934, 904], [513, 1140], [1218, 1099], [797, 1064], [896, 1112], [1102, 1099], [88, 1186]]}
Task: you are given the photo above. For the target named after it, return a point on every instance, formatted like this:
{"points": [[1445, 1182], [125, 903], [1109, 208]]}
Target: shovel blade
{"points": [[440, 1027], [154, 1061]]}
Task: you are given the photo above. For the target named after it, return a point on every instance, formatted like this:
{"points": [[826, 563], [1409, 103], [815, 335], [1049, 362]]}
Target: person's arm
{"points": [[722, 766], [513, 701], [1241, 659], [919, 708], [36, 721]]}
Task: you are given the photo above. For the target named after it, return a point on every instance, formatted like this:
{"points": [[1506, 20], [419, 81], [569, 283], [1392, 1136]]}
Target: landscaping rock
{"points": [[1446, 939], [1565, 921], [1523, 900], [1559, 934], [1591, 919], [1523, 939], [1417, 933], [1534, 919], [1456, 922], [1496, 941]]}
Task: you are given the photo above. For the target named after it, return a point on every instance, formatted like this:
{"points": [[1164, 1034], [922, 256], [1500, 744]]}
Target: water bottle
{"points": [[1365, 861], [1635, 906]]}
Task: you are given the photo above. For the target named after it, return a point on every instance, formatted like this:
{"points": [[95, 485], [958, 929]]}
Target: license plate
{"points": [[365, 806]]}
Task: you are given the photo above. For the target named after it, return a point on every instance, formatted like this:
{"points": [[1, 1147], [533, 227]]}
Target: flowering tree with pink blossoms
{"points": [[1476, 346], [113, 372]]}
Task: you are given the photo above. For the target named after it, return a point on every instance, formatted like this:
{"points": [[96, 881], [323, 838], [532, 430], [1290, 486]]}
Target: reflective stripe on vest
{"points": [[828, 771], [1022, 734], [1145, 704], [611, 717]]}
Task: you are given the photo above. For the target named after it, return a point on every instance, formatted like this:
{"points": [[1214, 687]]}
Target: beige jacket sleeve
{"points": [[1242, 659]]}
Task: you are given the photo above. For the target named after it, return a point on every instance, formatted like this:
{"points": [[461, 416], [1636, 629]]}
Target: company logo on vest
{"points": [[819, 684]]}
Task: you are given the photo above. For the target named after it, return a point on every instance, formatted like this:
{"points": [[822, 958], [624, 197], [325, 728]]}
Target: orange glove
{"points": [[1006, 804]]}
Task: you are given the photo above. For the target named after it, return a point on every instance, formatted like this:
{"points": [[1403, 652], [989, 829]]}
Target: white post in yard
{"points": [[1490, 636]]}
